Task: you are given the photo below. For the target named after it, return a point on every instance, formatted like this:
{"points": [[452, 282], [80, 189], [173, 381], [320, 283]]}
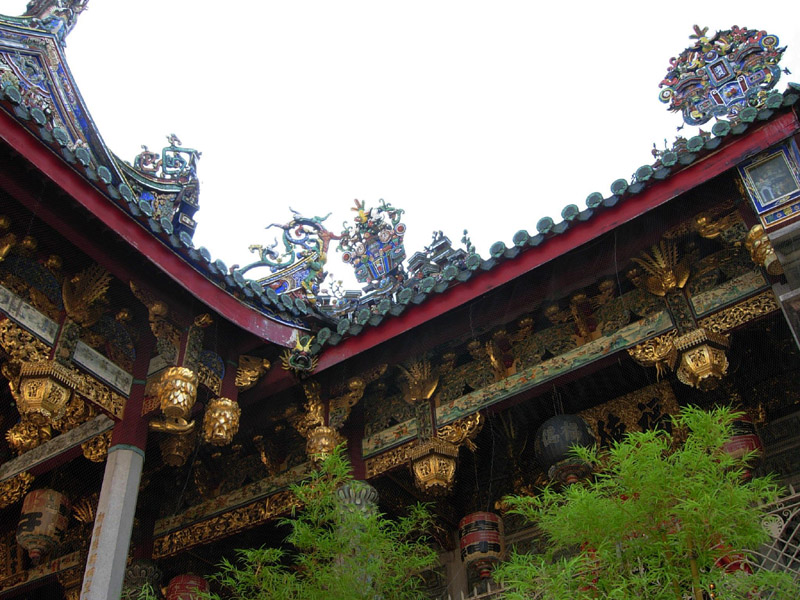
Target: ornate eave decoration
{"points": [[96, 449], [698, 356], [250, 370], [761, 250], [321, 442], [664, 269], [321, 438], [225, 524], [25, 436], [720, 75], [658, 352], [419, 380], [301, 359], [176, 448], [84, 295], [176, 390]]}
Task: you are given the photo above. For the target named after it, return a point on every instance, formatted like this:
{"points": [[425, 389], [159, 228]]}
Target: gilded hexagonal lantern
{"points": [[703, 362], [45, 389], [434, 466]]}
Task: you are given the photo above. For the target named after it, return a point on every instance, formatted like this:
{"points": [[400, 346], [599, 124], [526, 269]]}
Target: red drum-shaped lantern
{"points": [[186, 587], [482, 543], [744, 439], [44, 518]]}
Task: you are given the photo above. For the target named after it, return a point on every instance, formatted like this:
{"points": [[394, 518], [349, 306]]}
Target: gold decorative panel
{"points": [[648, 408]]}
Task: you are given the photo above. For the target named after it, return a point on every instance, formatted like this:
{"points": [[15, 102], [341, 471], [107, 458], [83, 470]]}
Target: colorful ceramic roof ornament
{"points": [[175, 163], [721, 75], [56, 16], [299, 269], [374, 245], [164, 187]]}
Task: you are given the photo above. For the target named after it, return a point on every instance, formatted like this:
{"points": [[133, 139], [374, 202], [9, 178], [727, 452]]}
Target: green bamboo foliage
{"points": [[662, 515], [331, 552]]}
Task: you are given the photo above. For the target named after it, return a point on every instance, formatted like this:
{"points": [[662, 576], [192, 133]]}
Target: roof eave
{"points": [[61, 174], [727, 157]]}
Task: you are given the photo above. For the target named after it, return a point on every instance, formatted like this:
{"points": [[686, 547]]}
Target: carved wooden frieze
{"points": [[74, 437]]}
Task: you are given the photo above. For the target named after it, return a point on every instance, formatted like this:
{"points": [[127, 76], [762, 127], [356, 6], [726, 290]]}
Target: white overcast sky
{"points": [[478, 115]]}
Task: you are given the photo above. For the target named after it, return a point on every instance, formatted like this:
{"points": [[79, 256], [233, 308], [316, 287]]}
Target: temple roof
{"points": [[159, 191]]}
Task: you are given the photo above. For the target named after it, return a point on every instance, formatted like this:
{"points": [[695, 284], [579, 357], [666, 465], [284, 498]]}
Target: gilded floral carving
{"points": [[741, 313], [224, 525], [389, 460], [96, 449], [14, 489], [462, 431]]}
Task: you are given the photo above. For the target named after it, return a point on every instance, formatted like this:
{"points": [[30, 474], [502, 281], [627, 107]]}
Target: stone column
{"points": [[113, 523], [111, 536]]}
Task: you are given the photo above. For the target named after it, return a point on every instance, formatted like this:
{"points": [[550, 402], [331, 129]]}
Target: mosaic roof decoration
{"points": [[721, 75], [373, 246], [297, 269]]}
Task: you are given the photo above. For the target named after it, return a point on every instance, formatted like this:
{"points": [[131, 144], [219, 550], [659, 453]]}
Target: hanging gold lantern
{"points": [[45, 389], [177, 392], [434, 465], [321, 442], [221, 421], [703, 362], [176, 448]]}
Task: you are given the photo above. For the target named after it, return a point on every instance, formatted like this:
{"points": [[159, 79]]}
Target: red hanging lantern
{"points": [[732, 561], [42, 522], [744, 440], [186, 587], [482, 542]]}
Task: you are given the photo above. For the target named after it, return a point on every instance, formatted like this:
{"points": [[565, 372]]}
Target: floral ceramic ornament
{"points": [[721, 75], [373, 246]]}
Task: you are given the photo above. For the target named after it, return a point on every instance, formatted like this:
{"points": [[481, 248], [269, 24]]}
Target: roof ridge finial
{"points": [[57, 16]]}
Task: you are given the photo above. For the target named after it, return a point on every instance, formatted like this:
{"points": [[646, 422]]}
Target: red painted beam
{"points": [[730, 154], [61, 174]]}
